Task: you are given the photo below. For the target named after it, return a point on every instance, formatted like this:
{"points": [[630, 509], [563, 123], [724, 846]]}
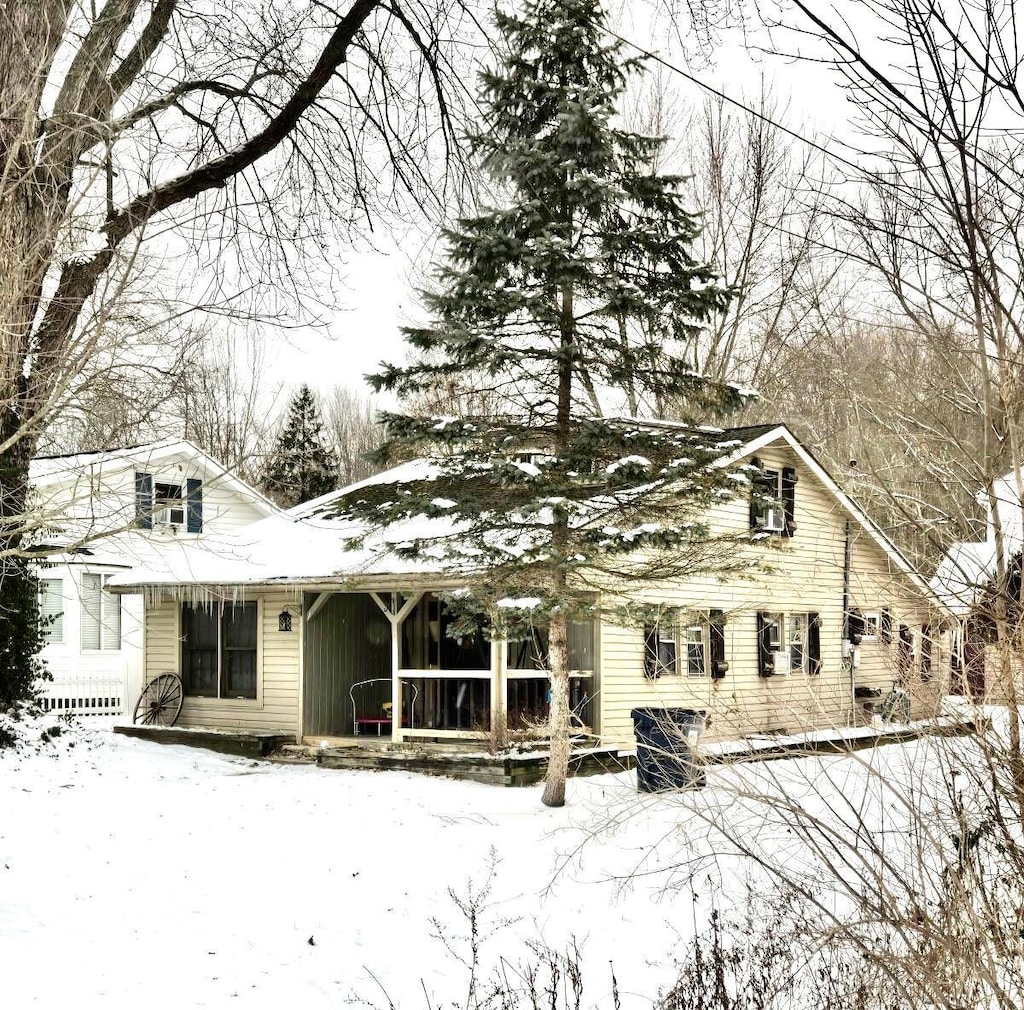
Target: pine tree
{"points": [[301, 465], [579, 282]]}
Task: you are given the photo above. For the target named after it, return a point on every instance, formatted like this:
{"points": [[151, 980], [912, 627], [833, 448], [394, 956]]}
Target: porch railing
{"points": [[459, 703]]}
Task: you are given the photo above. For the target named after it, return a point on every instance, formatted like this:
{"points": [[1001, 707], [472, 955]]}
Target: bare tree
{"points": [[352, 427], [128, 126], [225, 139], [939, 216], [760, 199], [221, 406], [917, 869]]}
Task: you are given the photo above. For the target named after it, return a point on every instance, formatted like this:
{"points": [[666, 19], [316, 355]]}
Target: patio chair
{"points": [[372, 707]]}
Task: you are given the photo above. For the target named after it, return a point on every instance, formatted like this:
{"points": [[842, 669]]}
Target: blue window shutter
{"points": [[144, 501], [194, 505]]}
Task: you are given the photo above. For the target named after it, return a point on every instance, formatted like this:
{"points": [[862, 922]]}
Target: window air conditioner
{"points": [[781, 663]]}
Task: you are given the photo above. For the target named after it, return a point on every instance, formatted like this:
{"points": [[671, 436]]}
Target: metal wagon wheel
{"points": [[160, 701]]}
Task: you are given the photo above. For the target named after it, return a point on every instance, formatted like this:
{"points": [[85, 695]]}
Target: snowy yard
{"points": [[137, 875]]}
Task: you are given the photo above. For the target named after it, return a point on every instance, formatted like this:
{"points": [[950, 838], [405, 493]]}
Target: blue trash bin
{"points": [[666, 748]]}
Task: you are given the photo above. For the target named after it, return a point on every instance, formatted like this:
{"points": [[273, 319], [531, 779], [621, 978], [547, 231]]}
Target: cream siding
{"points": [[278, 659], [802, 574]]}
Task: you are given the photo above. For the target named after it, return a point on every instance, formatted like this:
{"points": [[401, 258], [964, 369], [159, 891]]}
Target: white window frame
{"points": [[695, 634], [772, 518], [872, 622], [53, 632], [680, 636], [798, 626], [169, 509], [107, 618]]}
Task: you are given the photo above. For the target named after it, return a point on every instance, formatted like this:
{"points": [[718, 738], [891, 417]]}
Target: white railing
{"points": [[85, 695]]}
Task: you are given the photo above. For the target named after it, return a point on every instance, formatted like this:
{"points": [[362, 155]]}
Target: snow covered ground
{"points": [[138, 875]]}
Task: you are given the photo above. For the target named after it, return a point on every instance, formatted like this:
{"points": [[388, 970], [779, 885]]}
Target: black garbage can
{"points": [[666, 748]]}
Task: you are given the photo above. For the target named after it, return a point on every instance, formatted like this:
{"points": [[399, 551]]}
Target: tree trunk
{"points": [[558, 760], [558, 653]]}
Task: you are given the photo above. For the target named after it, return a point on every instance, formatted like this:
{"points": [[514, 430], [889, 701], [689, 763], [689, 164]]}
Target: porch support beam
{"points": [[317, 605], [499, 691], [396, 615]]}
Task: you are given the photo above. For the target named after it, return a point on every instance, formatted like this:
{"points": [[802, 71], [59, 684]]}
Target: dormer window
{"points": [[773, 501]]}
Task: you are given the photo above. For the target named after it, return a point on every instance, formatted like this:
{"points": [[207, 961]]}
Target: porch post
{"points": [[396, 681], [499, 691]]}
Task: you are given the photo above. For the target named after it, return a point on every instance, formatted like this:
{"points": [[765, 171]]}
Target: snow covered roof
{"points": [[963, 573], [48, 471], [284, 549], [306, 545]]}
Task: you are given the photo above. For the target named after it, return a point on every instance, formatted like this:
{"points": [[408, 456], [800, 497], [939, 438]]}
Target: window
{"points": [[905, 653], [101, 615], [660, 651], [771, 659], [788, 646], [773, 501], [885, 626], [696, 647], [218, 650], [695, 643], [870, 627], [168, 503], [798, 643], [51, 610]]}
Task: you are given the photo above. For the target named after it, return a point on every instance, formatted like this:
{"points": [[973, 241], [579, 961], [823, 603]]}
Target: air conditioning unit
{"points": [[775, 520], [781, 663]]}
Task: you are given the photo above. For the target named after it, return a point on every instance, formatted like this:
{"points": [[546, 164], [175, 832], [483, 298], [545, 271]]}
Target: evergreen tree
{"points": [[21, 635], [580, 281], [301, 465]]}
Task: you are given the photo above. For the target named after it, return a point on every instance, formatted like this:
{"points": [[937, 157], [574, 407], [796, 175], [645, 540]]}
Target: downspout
{"points": [[846, 648]]}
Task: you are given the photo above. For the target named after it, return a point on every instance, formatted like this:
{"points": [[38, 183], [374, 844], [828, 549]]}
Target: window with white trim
{"points": [[773, 500], [693, 647], [101, 615], [51, 610], [788, 643], [168, 505]]}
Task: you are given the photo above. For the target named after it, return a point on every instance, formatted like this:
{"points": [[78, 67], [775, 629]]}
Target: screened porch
{"points": [[363, 649]]}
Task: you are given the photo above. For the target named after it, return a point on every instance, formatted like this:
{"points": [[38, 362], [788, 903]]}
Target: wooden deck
{"points": [[456, 761], [462, 761], [243, 743]]}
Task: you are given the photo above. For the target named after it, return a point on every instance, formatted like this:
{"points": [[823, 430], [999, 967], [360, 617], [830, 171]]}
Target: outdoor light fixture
{"points": [[284, 620]]}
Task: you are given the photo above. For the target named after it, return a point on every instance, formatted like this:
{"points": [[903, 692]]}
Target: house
{"points": [[104, 513], [316, 627], [966, 572]]}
